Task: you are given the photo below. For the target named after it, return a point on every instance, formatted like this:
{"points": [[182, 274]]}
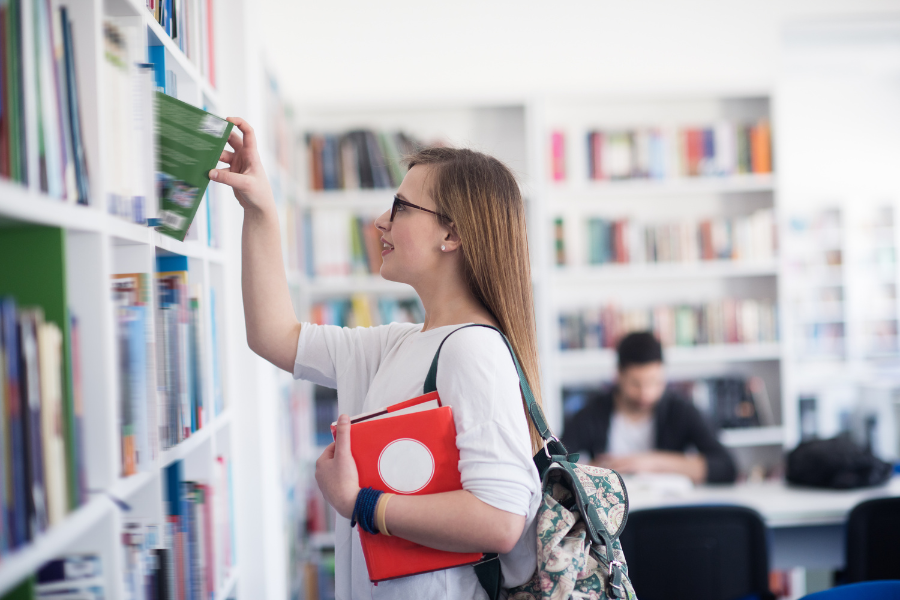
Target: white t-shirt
{"points": [[627, 436], [373, 367]]}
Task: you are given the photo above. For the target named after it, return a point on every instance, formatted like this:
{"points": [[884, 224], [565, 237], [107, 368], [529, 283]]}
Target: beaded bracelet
{"points": [[364, 510]]}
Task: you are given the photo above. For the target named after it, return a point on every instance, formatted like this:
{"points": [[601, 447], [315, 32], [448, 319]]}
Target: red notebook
{"points": [[407, 448]]}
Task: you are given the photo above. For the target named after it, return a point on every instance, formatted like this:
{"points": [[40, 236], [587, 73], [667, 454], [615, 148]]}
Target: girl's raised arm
{"points": [[272, 327]]}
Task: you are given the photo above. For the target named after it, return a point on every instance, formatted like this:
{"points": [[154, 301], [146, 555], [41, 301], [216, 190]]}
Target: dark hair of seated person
{"points": [[639, 348]]}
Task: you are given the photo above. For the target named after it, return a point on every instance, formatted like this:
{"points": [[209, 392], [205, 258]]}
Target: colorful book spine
{"points": [[359, 159]]}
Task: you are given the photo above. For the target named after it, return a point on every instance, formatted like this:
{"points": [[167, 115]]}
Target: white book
{"points": [[726, 148]]}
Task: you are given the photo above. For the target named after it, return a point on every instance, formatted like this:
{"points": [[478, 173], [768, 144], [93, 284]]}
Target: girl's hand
{"points": [[336, 471], [245, 173]]}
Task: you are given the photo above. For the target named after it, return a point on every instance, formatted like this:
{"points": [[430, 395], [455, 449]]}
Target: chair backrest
{"points": [[867, 590], [873, 541], [697, 553]]}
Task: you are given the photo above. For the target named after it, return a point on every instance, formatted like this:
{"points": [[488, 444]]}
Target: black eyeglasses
{"points": [[398, 202]]}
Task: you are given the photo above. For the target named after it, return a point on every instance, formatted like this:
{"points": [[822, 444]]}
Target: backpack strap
{"points": [[488, 571], [532, 408]]}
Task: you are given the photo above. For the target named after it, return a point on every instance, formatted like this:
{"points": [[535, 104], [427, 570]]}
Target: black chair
{"points": [[873, 541], [697, 553]]}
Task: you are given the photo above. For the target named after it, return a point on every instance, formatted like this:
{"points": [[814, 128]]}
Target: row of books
{"points": [[190, 25], [750, 237], [162, 395], [41, 446], [70, 577], [361, 310], [721, 149], [41, 143], [331, 242], [192, 568], [727, 402], [359, 159], [727, 321]]}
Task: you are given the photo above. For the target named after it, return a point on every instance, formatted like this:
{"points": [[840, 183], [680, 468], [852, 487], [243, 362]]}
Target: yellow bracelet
{"points": [[380, 511]]}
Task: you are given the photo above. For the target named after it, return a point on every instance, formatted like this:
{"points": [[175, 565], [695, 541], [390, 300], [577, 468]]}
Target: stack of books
{"points": [[179, 349], [190, 25], [41, 455], [137, 406], [728, 321], [361, 310], [360, 159], [41, 143], [750, 237], [718, 150]]}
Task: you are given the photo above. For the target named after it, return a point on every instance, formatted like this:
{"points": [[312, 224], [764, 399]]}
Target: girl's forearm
{"points": [[453, 521], [272, 327]]}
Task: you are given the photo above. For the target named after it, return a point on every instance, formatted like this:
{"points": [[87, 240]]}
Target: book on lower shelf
{"points": [[69, 577], [196, 564], [726, 321], [37, 423], [361, 310], [41, 141], [179, 345]]}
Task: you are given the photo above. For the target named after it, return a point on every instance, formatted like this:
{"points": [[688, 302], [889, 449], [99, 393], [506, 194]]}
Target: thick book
{"points": [[189, 143], [408, 448]]}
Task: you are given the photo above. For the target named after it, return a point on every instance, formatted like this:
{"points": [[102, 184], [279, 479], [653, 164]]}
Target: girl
{"points": [[456, 233]]}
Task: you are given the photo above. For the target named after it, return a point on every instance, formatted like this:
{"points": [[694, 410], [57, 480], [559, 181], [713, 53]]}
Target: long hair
{"points": [[480, 195]]}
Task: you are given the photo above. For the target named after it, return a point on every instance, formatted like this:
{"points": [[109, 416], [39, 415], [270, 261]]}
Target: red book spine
{"points": [[597, 145], [695, 151], [558, 155], [706, 246], [209, 554]]}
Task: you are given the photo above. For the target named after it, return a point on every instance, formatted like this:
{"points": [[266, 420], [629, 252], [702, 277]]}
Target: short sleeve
{"points": [[327, 354], [477, 378]]}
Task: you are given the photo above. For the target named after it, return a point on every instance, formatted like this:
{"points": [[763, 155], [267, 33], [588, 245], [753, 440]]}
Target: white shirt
{"points": [[373, 367], [627, 436]]}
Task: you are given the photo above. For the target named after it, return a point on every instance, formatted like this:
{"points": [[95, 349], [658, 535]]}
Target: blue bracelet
{"points": [[364, 510]]}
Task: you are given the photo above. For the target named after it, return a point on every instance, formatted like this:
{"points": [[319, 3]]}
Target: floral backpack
{"points": [[582, 513]]}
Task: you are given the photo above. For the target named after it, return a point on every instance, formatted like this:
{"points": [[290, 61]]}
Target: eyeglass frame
{"points": [[398, 200]]}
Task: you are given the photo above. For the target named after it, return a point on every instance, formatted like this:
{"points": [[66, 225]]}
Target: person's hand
{"points": [[245, 173], [336, 471]]}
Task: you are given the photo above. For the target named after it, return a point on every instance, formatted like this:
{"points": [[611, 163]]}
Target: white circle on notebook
{"points": [[406, 466]]}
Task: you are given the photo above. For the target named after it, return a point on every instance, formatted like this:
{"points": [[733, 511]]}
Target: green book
{"points": [[189, 142]]}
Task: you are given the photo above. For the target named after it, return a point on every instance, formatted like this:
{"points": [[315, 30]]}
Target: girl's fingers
{"points": [[249, 136], [235, 141], [235, 180], [226, 156]]}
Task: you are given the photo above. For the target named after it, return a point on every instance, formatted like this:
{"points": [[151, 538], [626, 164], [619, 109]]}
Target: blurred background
{"points": [[723, 174]]}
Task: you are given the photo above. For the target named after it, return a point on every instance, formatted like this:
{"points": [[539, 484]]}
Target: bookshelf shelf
{"points": [[682, 186], [362, 200], [351, 284], [663, 271], [77, 524], [582, 365], [752, 436], [93, 246]]}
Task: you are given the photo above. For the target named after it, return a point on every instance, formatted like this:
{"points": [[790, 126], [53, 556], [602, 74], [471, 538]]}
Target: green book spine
{"points": [[23, 591], [189, 143]]}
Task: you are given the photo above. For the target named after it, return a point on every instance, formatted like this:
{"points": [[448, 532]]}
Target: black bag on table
{"points": [[836, 463]]}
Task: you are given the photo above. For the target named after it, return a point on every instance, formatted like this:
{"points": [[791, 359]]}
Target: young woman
{"points": [[456, 234]]}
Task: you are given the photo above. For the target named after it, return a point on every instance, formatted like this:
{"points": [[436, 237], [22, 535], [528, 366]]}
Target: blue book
{"points": [[190, 543], [4, 458], [157, 56], [18, 509], [137, 367]]}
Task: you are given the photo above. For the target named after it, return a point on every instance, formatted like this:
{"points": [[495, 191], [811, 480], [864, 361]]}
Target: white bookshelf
{"points": [[97, 246]]}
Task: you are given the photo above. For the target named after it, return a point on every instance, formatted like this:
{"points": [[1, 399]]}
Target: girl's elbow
{"points": [[509, 531]]}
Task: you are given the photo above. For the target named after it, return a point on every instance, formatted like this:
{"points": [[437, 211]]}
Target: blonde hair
{"points": [[481, 197]]}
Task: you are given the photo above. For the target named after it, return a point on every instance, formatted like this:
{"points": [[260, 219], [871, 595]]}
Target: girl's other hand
{"points": [[245, 173], [336, 471]]}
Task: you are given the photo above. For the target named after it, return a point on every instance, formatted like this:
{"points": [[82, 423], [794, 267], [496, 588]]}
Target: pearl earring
{"points": [[443, 247]]}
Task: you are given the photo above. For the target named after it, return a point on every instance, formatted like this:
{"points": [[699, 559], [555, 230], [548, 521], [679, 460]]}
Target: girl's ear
{"points": [[451, 241]]}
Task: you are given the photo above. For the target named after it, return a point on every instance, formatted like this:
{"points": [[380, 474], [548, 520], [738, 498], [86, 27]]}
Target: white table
{"points": [[806, 526]]}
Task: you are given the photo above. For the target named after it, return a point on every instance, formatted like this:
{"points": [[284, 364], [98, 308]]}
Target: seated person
{"points": [[639, 427]]}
